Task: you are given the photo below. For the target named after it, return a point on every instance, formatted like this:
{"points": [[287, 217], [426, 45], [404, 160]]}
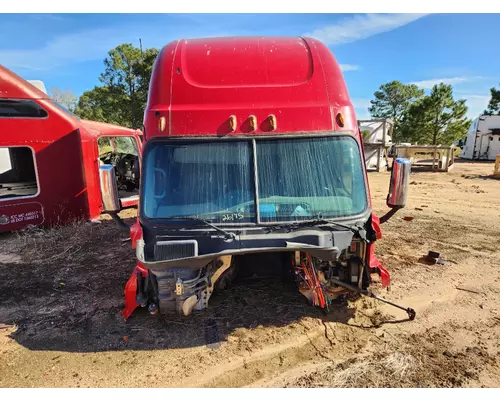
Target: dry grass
{"points": [[377, 373], [422, 360], [62, 267], [391, 370], [78, 242], [37, 245]]}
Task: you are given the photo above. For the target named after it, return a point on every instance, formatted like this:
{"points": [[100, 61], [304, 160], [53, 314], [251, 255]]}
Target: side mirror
{"points": [[398, 187], [109, 193], [109, 189]]}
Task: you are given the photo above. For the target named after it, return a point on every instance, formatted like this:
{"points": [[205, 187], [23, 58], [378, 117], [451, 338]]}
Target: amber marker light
{"points": [[232, 123], [162, 124], [272, 121], [340, 120], [252, 122]]}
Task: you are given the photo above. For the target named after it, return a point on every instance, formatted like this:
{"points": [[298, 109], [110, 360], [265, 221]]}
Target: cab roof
{"points": [[197, 84], [104, 129], [14, 87]]}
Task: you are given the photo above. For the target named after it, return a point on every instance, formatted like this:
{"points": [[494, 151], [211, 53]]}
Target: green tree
{"points": [[392, 99], [104, 104], [121, 99], [436, 118], [494, 104]]}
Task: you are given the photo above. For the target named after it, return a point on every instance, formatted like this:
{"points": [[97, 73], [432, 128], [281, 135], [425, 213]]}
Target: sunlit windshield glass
{"points": [[297, 179], [117, 144], [208, 180], [65, 110], [312, 178]]}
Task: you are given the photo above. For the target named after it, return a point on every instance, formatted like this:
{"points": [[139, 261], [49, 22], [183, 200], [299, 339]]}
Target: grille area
{"points": [[174, 250]]}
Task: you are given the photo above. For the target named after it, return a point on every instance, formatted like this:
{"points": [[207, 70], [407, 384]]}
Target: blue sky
{"points": [[67, 50]]}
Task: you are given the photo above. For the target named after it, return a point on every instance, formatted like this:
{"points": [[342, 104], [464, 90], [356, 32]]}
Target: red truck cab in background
{"points": [[50, 158], [252, 157]]}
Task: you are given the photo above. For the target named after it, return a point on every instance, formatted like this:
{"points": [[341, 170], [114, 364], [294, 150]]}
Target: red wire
{"points": [[312, 281], [318, 292]]}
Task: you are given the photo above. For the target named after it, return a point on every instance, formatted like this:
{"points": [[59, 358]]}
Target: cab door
{"points": [[124, 153]]}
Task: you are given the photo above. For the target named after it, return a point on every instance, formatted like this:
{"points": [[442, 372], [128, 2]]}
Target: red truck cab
{"points": [[50, 159], [252, 157]]}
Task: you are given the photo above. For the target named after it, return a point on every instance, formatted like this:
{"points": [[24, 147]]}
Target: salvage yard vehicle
{"points": [[50, 158], [482, 141], [253, 160]]}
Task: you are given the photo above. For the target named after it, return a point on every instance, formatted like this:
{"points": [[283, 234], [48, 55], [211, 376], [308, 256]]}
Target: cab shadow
{"points": [[246, 304], [72, 302]]}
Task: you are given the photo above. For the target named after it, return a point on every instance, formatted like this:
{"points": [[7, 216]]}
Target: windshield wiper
{"points": [[314, 222], [227, 235]]}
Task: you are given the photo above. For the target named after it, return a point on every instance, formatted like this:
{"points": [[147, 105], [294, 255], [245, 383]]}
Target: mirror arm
{"points": [[388, 215], [121, 223]]}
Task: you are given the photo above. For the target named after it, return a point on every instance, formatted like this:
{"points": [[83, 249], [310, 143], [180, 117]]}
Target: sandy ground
{"points": [[61, 293]]}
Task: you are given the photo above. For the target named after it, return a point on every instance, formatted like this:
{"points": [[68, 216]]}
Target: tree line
{"points": [[436, 118], [120, 98]]}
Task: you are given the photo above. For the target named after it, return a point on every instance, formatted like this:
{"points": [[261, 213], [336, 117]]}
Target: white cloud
{"points": [[70, 48], [361, 108], [349, 67], [52, 17], [91, 45], [361, 103], [361, 27], [476, 103], [473, 97], [429, 83]]}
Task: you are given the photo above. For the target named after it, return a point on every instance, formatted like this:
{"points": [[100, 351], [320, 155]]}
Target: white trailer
{"points": [[483, 139], [377, 138]]}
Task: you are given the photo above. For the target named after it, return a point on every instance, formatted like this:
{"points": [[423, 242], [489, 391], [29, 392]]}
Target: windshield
{"points": [[117, 144], [297, 179], [65, 110]]}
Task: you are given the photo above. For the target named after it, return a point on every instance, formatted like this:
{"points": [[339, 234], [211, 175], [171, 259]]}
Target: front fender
{"points": [[131, 291], [374, 264]]}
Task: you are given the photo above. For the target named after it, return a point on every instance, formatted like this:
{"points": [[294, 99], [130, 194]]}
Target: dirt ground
{"points": [[61, 293]]}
